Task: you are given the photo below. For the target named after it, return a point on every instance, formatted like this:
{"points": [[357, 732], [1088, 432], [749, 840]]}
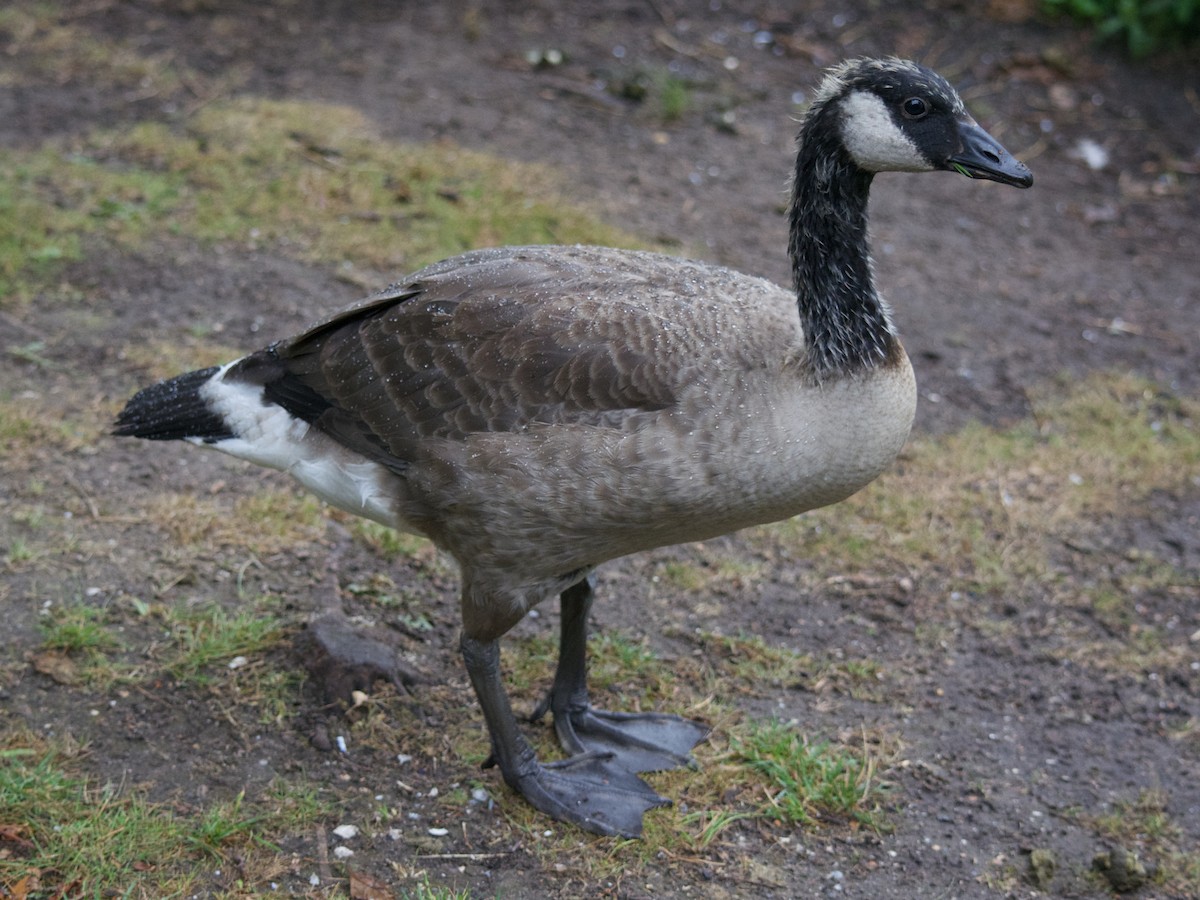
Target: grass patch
{"points": [[808, 782], [333, 195], [262, 523], [51, 199], [751, 662], [159, 359], [77, 838], [26, 426], [81, 646], [1144, 826], [423, 890], [398, 546], [407, 611], [52, 47], [1144, 820], [205, 637], [746, 664], [667, 95], [77, 629], [390, 543], [85, 644], [673, 96]]}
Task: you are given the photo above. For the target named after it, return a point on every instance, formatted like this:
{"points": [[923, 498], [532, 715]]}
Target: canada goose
{"points": [[536, 411]]}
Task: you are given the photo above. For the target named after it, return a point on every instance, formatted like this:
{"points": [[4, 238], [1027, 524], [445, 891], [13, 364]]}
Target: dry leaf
{"points": [[365, 887], [58, 666]]}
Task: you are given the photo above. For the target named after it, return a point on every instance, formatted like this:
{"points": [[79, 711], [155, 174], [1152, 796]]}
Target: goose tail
{"points": [[176, 409]]}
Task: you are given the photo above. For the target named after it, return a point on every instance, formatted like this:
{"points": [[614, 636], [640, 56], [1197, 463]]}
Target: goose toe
{"points": [[592, 791]]}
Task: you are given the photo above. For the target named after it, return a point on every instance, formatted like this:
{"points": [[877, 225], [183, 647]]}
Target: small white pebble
{"points": [[314, 879], [345, 832], [403, 758], [341, 744], [1094, 156], [439, 832], [342, 852]]}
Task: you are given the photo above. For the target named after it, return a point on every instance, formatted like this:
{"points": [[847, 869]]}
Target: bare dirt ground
{"points": [[995, 291]]}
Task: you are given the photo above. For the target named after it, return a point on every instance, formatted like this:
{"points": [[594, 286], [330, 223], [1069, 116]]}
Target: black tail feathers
{"points": [[171, 410]]}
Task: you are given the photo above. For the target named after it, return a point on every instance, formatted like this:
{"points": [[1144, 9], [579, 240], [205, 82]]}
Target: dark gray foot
{"points": [[639, 742], [591, 791]]}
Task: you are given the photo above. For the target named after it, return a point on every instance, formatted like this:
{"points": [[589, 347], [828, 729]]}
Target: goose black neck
{"points": [[845, 323]]}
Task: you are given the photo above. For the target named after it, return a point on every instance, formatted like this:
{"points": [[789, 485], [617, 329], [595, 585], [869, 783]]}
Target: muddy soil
{"points": [[994, 290]]}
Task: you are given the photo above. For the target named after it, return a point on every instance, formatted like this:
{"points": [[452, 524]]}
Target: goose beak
{"points": [[981, 156]]}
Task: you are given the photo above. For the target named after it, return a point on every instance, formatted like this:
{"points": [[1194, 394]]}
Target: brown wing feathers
{"points": [[382, 377]]}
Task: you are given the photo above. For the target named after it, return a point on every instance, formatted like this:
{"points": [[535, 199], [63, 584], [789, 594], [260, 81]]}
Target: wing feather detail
{"points": [[494, 341]]}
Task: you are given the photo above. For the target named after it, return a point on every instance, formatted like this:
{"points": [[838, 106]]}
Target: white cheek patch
{"points": [[874, 140]]}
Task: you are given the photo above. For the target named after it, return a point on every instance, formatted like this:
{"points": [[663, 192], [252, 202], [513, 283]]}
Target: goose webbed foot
{"points": [[639, 742], [591, 790]]}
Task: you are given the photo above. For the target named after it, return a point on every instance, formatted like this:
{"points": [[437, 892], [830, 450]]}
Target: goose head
{"points": [[899, 116], [870, 116]]}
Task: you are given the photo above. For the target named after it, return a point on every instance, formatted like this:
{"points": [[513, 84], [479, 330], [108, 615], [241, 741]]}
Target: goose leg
{"points": [[590, 790], [641, 742]]}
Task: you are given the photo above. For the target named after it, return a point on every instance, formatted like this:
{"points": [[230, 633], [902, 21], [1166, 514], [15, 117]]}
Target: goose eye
{"points": [[915, 108]]}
